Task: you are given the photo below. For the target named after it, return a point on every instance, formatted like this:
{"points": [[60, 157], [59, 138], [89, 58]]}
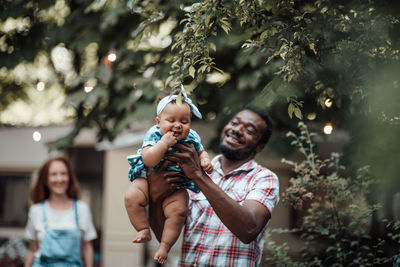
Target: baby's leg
{"points": [[136, 200], [175, 211]]}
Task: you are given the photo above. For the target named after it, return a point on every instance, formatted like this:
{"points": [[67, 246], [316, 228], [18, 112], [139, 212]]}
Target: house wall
{"points": [[117, 248]]}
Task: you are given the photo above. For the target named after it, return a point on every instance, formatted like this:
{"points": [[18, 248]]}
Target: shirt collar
{"points": [[245, 167]]}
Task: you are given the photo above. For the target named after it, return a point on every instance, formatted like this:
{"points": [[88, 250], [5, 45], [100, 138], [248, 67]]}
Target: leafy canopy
{"points": [[278, 54]]}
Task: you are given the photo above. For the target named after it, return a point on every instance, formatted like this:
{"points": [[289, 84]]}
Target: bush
{"points": [[335, 227]]}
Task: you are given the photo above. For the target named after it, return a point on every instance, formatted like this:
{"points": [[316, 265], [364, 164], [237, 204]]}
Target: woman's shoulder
{"points": [[36, 205], [83, 207], [35, 209], [81, 204]]}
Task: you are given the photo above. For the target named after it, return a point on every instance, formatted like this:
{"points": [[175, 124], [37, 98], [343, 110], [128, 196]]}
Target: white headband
{"points": [[168, 99]]}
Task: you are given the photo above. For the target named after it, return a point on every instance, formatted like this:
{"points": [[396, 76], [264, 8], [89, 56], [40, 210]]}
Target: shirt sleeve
{"points": [[265, 189], [30, 231], [86, 222], [152, 136]]}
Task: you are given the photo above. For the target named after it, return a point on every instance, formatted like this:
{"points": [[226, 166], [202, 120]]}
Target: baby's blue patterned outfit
{"points": [[138, 169]]}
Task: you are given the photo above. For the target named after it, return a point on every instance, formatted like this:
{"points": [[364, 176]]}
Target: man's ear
{"points": [[260, 147]]}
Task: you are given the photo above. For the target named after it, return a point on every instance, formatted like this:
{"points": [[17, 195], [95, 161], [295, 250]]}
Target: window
{"points": [[14, 199]]}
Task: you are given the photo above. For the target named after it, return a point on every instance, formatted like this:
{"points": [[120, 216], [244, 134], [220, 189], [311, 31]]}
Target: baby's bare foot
{"points": [[142, 236], [161, 254]]}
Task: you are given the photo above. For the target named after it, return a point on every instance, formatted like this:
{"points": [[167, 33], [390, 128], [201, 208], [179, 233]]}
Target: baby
{"points": [[173, 125]]}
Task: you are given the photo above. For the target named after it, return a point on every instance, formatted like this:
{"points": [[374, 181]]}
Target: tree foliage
{"points": [[286, 56], [337, 217], [277, 52]]}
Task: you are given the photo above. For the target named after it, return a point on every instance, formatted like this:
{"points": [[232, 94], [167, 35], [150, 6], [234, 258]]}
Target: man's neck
{"points": [[228, 165]]}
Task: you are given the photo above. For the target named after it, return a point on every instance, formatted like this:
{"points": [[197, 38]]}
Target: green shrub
{"points": [[337, 218]]}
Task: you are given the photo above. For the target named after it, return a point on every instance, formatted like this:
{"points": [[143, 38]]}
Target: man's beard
{"points": [[234, 154]]}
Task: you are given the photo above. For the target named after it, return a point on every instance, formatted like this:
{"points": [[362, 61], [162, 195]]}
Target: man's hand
{"points": [[163, 182], [188, 160]]}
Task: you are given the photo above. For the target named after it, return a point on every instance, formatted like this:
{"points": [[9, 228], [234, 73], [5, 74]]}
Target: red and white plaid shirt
{"points": [[207, 241]]}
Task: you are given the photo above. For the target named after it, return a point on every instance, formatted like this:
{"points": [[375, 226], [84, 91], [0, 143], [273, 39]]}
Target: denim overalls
{"points": [[60, 247]]}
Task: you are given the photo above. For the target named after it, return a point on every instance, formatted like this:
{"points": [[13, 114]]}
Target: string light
{"points": [[328, 128], [88, 88], [89, 85], [328, 103], [40, 86], [311, 116], [37, 136], [211, 115], [112, 56]]}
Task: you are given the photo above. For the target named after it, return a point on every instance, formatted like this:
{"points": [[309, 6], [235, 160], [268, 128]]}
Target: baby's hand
{"points": [[169, 139], [206, 165]]}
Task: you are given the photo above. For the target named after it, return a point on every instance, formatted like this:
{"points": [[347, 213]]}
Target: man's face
{"points": [[241, 136]]}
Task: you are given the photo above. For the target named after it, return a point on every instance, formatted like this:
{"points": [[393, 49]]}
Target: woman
{"points": [[60, 227]]}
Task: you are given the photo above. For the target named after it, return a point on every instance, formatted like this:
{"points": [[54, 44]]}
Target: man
{"points": [[227, 219]]}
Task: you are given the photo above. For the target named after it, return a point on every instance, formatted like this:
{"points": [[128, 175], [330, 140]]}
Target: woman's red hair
{"points": [[40, 190]]}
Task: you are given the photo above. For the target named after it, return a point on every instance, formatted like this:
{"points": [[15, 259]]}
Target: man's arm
{"points": [[246, 221]]}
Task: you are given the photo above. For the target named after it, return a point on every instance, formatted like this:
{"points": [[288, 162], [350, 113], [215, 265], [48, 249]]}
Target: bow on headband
{"points": [[168, 99]]}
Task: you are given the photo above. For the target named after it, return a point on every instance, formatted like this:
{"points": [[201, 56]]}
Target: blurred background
{"points": [[80, 77]]}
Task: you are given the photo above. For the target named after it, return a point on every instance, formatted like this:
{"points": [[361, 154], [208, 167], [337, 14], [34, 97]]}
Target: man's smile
{"points": [[232, 138]]}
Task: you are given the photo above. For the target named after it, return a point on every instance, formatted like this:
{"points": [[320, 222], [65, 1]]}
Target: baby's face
{"points": [[175, 118]]}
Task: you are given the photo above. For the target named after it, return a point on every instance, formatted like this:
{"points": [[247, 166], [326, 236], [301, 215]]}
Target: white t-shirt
{"points": [[59, 219]]}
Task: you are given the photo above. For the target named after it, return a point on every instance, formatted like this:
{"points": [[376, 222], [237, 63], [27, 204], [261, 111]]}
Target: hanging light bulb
{"points": [[37, 136], [328, 103], [112, 56], [40, 86], [88, 88], [328, 128], [311, 116], [89, 85]]}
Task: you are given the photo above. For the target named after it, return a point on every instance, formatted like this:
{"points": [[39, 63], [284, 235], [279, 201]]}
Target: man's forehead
{"points": [[251, 118], [248, 116]]}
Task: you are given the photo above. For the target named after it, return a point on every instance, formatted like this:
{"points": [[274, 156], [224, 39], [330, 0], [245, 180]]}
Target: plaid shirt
{"points": [[207, 241]]}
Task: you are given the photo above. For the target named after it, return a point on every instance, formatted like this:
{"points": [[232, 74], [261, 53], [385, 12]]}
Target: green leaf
{"points": [[225, 28], [213, 47], [291, 109], [297, 113], [207, 20], [192, 71], [312, 47], [168, 80], [264, 34], [203, 68], [179, 99]]}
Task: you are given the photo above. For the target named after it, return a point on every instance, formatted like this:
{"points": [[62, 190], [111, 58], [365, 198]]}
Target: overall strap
{"points": [[44, 215], [76, 213]]}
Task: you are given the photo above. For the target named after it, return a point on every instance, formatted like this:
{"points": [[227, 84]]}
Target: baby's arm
{"points": [[152, 155], [205, 161]]}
